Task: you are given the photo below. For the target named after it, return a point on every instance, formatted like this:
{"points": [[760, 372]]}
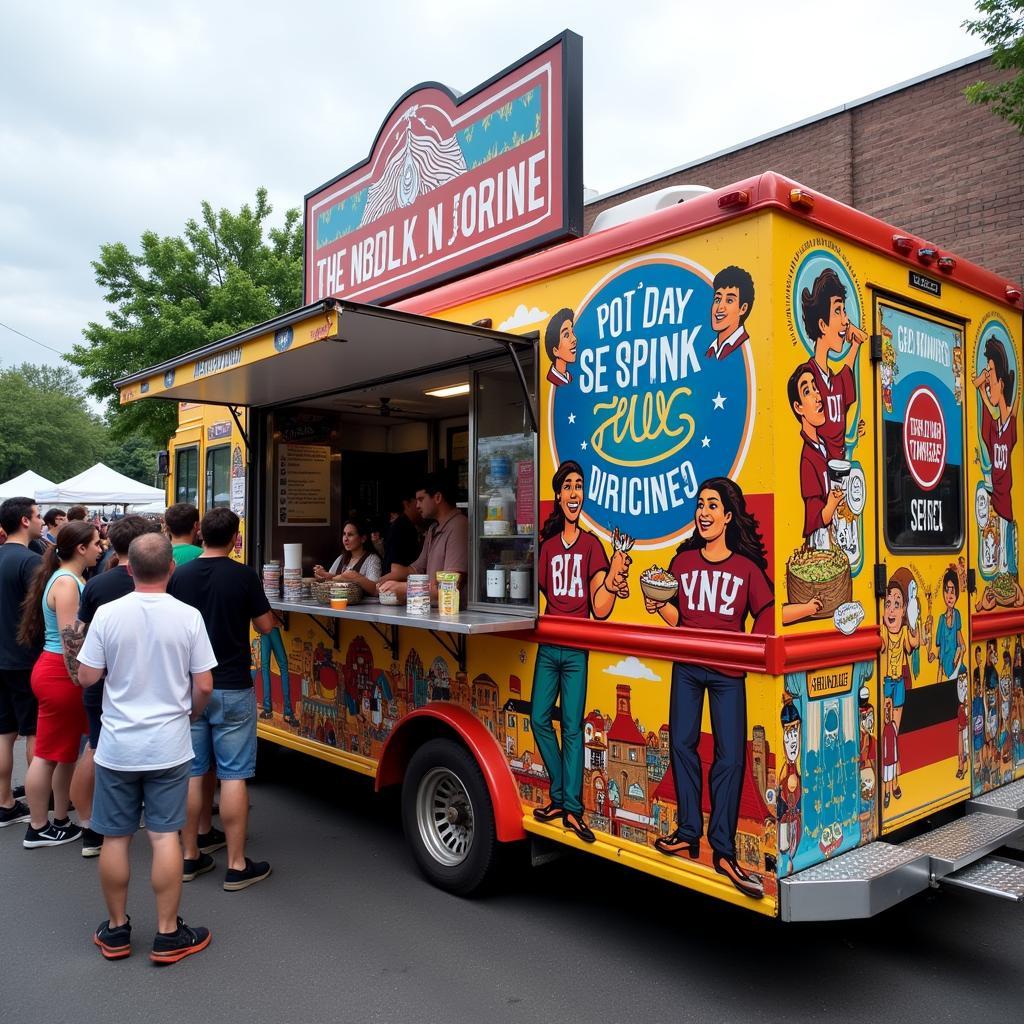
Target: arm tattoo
{"points": [[73, 638]]}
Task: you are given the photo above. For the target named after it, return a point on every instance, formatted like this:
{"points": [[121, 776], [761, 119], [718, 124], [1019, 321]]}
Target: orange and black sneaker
{"points": [[575, 823], [677, 845], [170, 947], [114, 943], [548, 813], [749, 885]]}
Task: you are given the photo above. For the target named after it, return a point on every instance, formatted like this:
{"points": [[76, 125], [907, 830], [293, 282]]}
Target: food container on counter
{"points": [[448, 593], [417, 594]]}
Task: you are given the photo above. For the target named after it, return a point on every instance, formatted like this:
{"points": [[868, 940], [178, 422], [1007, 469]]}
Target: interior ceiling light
{"points": [[449, 392]]}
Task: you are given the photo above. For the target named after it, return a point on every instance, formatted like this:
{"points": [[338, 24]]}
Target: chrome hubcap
{"points": [[444, 816]]}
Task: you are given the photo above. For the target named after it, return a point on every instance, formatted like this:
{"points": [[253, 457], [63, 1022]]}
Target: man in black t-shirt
{"points": [[230, 598], [403, 543], [109, 585], [19, 518]]}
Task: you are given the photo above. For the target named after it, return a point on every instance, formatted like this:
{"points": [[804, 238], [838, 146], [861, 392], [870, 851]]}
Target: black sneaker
{"points": [[91, 843], [255, 871], [199, 866], [12, 815], [170, 947], [114, 943], [50, 835], [18, 792], [212, 841], [64, 822]]}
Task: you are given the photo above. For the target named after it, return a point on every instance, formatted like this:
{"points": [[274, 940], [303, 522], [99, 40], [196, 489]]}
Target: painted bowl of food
{"points": [[388, 597], [658, 584]]}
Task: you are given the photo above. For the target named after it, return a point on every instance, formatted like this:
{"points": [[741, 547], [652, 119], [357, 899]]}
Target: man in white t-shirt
{"points": [[148, 644]]}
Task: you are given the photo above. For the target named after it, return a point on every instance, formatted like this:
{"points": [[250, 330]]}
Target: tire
{"points": [[448, 817]]}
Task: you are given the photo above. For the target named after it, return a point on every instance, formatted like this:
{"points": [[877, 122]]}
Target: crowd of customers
{"points": [[124, 666]]}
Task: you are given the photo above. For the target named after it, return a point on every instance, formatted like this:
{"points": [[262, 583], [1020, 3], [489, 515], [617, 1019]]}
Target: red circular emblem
{"points": [[924, 438]]}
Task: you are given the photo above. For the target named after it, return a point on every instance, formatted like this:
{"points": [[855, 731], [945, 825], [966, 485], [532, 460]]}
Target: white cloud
{"points": [[632, 668], [522, 317]]}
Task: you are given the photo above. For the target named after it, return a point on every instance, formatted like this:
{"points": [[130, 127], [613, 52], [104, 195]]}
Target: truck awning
{"points": [[329, 346]]}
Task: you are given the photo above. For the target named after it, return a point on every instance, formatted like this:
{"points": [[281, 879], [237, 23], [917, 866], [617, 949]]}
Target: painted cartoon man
{"points": [[991, 678], [730, 307], [821, 499], [978, 716], [999, 408], [577, 580], [560, 345], [823, 309], [722, 580], [867, 764], [790, 789], [890, 755]]}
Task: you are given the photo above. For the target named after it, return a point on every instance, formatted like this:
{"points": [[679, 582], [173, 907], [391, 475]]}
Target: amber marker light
{"points": [[801, 198], [740, 197]]}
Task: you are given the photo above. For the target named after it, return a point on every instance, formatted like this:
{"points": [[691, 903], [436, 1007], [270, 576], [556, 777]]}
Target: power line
{"points": [[33, 340]]}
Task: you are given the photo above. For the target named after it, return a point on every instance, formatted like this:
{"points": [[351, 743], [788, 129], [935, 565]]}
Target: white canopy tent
{"points": [[100, 485], [24, 486]]}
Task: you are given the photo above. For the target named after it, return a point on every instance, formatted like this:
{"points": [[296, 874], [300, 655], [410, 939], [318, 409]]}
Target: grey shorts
{"points": [[119, 796]]}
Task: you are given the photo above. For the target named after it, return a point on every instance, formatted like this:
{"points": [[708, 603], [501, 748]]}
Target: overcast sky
{"points": [[118, 117]]}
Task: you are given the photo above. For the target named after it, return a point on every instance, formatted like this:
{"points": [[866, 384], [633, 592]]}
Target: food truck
{"points": [[743, 607]]}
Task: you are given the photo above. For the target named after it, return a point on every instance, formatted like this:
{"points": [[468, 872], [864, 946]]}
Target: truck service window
{"points": [[922, 396]]}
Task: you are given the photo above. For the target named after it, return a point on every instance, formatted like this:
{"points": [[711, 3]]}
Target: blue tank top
{"points": [[52, 641]]}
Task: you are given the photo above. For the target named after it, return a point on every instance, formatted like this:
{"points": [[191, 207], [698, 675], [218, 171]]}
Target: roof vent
{"points": [[632, 209]]}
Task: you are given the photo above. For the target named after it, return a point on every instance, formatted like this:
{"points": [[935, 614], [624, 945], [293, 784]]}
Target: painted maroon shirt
{"points": [[1000, 444], [813, 485], [564, 574], [719, 595], [837, 395]]}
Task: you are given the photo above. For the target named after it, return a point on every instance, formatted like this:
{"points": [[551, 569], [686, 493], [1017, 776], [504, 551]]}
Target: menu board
{"points": [[303, 485]]}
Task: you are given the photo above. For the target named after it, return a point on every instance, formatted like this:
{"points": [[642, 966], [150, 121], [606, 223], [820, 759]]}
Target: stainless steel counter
{"points": [[396, 615]]}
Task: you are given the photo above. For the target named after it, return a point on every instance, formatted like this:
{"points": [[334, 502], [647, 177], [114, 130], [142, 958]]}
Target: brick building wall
{"points": [[921, 158]]}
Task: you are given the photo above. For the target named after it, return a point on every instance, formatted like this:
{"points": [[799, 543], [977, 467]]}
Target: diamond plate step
{"points": [[1006, 800], [861, 883], [964, 841], [993, 876]]}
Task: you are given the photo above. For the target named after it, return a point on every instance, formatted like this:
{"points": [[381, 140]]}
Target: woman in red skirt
{"points": [[50, 608]]}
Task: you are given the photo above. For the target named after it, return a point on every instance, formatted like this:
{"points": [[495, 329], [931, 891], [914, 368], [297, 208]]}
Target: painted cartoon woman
{"points": [[560, 345], [721, 576], [901, 638], [577, 580], [999, 407]]}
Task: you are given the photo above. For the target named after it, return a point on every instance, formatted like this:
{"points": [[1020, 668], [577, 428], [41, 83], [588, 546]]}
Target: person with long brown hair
{"points": [[48, 614]]}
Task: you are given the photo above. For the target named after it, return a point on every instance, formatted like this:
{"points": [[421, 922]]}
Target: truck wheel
{"points": [[448, 818]]}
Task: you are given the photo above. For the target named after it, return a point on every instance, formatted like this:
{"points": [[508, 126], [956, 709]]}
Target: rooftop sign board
{"points": [[454, 183]]}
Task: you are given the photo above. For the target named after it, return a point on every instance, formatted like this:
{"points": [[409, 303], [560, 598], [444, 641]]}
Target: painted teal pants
{"points": [[273, 642], [561, 675]]}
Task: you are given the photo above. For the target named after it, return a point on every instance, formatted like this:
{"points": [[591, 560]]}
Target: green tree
{"points": [[1001, 26], [135, 456], [226, 272], [45, 423]]}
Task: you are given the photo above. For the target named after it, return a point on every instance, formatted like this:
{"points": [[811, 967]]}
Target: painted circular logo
{"points": [[924, 438], [654, 400], [820, 271]]}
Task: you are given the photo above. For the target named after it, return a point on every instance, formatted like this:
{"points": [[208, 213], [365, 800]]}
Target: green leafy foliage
{"points": [[45, 423], [1001, 26], [225, 273]]}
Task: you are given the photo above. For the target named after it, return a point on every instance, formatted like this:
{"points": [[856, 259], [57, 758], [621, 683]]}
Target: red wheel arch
{"points": [[450, 719]]}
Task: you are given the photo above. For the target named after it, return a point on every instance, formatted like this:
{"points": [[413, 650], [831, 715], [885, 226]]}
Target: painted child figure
{"points": [[901, 637], [790, 789], [890, 754], [978, 721], [823, 308], [963, 746]]}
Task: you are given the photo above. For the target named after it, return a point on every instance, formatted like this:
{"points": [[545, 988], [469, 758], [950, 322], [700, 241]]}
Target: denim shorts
{"points": [[118, 798], [225, 735]]}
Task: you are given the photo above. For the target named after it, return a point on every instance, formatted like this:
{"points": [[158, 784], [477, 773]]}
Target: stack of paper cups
{"points": [[272, 580], [293, 556]]}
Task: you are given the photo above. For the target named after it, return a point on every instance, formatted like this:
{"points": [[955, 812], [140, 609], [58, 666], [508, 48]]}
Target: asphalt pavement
{"points": [[346, 930]]}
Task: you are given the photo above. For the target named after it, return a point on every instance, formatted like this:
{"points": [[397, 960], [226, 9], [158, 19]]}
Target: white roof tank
{"points": [[645, 204]]}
